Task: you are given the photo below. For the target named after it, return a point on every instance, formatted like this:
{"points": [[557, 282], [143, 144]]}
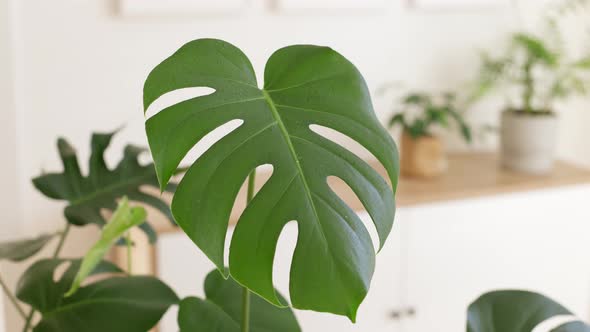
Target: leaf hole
{"points": [[554, 322], [60, 270], [350, 144], [208, 141], [263, 174], [347, 195], [283, 257], [175, 97]]}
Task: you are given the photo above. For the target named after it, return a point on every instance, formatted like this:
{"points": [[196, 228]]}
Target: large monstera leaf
{"points": [[517, 311], [88, 195], [334, 257]]}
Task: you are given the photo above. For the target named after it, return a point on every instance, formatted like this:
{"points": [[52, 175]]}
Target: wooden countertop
{"points": [[469, 176]]}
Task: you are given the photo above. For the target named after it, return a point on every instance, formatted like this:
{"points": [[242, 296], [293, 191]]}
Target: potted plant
{"points": [[422, 151], [334, 259], [534, 75]]}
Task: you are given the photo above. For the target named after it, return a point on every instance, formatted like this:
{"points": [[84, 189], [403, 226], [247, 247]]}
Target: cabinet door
{"points": [[537, 241], [183, 266]]}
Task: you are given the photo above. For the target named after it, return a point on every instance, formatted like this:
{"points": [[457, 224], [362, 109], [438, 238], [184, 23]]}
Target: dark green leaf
{"points": [[117, 304], [305, 85], [511, 310], [87, 196], [222, 310], [17, 251], [38, 288], [196, 315]]}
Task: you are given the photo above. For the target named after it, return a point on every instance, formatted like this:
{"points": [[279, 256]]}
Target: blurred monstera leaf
{"points": [[88, 195], [516, 311], [305, 85], [19, 250], [115, 304], [220, 312]]}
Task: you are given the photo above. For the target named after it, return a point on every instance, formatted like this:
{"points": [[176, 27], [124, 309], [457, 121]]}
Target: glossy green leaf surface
{"points": [[88, 195], [222, 310], [304, 85], [515, 311], [124, 218], [117, 304], [17, 251]]}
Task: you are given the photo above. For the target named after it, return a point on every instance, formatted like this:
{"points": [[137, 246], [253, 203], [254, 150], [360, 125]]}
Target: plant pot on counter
{"points": [[422, 156], [528, 141]]}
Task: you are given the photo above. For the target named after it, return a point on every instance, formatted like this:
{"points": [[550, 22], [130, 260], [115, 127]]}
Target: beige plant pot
{"points": [[423, 157], [528, 142]]}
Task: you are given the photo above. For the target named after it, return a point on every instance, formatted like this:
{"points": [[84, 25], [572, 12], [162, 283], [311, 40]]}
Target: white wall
{"points": [[9, 223], [80, 67], [83, 66]]}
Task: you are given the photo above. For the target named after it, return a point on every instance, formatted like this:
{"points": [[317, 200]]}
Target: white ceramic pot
{"points": [[528, 141]]}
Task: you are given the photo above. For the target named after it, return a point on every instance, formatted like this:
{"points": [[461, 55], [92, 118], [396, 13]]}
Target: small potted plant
{"points": [[422, 151], [533, 76]]}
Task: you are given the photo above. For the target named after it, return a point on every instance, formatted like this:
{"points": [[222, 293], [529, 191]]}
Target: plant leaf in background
{"points": [[88, 195], [334, 259], [124, 218], [117, 304], [536, 48], [37, 286], [18, 251], [515, 311], [220, 312], [583, 63]]}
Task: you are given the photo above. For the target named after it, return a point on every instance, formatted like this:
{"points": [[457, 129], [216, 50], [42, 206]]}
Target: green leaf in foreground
{"points": [[222, 310], [305, 85], [516, 311], [124, 218], [88, 195], [18, 251], [116, 304]]}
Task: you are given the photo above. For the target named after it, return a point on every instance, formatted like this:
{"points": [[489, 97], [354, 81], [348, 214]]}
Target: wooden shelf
{"points": [[477, 175], [469, 176]]}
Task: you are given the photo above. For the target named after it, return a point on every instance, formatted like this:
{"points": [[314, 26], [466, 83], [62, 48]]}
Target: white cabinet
{"points": [[456, 251], [439, 258]]}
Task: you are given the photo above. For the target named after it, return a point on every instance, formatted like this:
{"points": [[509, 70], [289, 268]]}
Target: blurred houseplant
{"points": [[539, 73], [422, 152], [98, 304]]}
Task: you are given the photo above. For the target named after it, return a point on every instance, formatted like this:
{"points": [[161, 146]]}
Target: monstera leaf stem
{"points": [[12, 299], [60, 244], [246, 292]]}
